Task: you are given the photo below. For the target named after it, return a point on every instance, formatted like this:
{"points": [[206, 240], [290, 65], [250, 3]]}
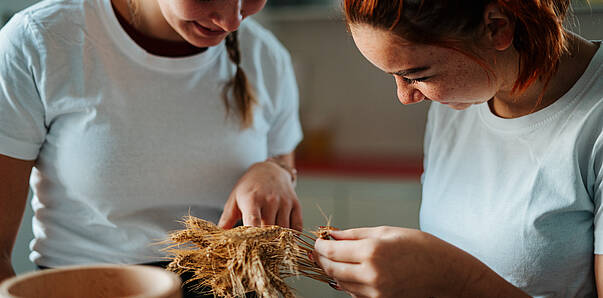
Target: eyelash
{"points": [[413, 81]]}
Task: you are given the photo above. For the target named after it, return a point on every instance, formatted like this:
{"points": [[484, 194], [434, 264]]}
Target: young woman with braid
{"points": [[513, 165], [126, 115]]}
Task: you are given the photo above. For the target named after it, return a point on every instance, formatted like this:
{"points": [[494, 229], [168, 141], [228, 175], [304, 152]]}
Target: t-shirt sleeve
{"points": [[285, 129], [22, 125]]}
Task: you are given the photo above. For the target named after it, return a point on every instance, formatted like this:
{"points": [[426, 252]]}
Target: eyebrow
{"points": [[413, 70]]}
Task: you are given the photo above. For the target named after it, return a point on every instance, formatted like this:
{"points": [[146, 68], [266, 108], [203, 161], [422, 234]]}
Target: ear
{"points": [[499, 27]]}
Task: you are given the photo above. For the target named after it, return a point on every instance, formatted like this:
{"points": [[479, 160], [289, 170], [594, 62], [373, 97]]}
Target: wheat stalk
{"points": [[230, 263]]}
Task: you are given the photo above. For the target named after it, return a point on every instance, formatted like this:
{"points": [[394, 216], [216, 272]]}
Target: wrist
{"points": [[291, 170]]}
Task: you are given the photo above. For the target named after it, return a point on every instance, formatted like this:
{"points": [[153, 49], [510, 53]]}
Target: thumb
{"points": [[230, 215]]}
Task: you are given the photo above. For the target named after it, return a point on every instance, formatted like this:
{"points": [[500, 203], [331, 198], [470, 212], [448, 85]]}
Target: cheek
{"points": [[184, 10], [463, 84]]}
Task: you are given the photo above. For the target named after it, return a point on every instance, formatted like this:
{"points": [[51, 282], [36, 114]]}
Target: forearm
{"points": [[6, 269], [472, 278], [14, 184]]}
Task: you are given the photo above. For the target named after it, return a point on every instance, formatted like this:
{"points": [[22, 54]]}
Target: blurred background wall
{"points": [[360, 160]]}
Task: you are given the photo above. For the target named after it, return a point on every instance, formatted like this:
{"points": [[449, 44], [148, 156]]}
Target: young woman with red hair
{"points": [[513, 169]]}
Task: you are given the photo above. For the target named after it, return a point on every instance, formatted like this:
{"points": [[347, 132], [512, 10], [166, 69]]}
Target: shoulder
{"points": [[64, 20], [259, 42], [590, 91], [56, 12]]}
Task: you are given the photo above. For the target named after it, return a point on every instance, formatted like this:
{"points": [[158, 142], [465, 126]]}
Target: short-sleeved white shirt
{"points": [[125, 142], [522, 195]]}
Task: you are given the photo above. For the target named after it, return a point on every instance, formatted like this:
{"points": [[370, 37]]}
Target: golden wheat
{"points": [[230, 263]]}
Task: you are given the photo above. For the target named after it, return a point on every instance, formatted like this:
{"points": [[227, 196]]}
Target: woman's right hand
{"points": [[383, 262], [399, 262]]}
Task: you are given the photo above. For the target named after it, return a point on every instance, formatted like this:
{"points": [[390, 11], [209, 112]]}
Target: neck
{"points": [[572, 65], [146, 17]]}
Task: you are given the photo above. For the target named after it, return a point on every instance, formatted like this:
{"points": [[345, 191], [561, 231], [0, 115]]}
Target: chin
{"points": [[199, 40], [202, 42]]}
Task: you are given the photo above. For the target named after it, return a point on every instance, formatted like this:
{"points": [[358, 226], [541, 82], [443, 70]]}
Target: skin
{"points": [[14, 184], [454, 79], [177, 20], [264, 195], [399, 262]]}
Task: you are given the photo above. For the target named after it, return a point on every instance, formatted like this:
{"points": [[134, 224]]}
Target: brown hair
{"points": [[239, 86], [539, 36]]}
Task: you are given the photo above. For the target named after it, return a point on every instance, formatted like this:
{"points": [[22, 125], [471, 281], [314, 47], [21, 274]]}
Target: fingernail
{"points": [[334, 285], [311, 257]]}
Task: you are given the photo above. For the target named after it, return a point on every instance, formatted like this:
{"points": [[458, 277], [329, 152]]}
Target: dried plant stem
{"points": [[230, 263]]}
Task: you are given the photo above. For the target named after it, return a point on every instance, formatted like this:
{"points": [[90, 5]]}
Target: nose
{"points": [[229, 18], [407, 94]]}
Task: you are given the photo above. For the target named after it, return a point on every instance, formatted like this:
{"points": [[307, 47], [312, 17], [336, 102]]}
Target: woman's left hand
{"points": [[263, 196]]}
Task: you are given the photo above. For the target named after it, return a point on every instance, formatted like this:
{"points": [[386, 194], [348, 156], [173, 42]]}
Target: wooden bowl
{"points": [[94, 281]]}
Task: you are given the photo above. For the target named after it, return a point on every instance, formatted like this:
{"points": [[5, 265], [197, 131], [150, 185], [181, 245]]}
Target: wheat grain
{"points": [[230, 263]]}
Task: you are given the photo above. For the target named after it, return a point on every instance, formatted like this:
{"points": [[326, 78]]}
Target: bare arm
{"points": [[14, 182], [599, 274], [396, 262]]}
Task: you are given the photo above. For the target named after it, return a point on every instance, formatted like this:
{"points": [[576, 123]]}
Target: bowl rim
{"points": [[173, 278]]}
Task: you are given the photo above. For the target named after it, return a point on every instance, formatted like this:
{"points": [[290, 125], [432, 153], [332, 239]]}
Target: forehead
{"points": [[390, 52]]}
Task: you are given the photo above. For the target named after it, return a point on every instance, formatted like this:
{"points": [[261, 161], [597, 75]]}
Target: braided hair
{"points": [[244, 96]]}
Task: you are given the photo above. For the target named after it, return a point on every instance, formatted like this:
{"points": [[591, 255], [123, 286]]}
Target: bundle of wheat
{"points": [[230, 263]]}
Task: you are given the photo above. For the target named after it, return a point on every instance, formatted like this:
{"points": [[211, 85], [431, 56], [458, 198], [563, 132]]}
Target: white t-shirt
{"points": [[125, 142], [522, 195]]}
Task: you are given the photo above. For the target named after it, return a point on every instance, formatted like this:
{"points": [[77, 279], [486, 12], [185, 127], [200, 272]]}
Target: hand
{"points": [[263, 196], [388, 262]]}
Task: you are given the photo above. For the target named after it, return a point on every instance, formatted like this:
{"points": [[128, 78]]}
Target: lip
{"points": [[208, 32]]}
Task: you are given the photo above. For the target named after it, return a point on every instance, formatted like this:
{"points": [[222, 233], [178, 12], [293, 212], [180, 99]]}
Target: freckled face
{"points": [[205, 23], [425, 72]]}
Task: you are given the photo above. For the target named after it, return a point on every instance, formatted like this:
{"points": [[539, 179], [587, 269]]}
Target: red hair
{"points": [[539, 36]]}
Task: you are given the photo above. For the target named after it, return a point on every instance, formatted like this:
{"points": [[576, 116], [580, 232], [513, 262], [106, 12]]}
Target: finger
{"points": [[346, 272], [353, 234], [356, 289], [348, 251], [269, 213], [297, 222], [251, 213], [230, 215], [283, 215]]}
